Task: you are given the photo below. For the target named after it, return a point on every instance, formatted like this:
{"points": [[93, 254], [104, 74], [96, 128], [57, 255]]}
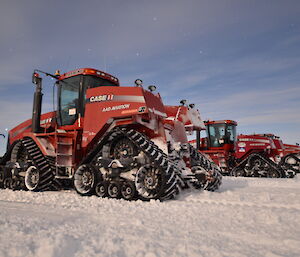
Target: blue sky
{"points": [[234, 59]]}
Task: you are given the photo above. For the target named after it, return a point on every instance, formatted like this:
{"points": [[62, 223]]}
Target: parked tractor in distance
{"points": [[256, 155], [106, 140]]}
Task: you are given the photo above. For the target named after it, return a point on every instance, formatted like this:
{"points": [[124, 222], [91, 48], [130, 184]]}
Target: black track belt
{"points": [[46, 171]]}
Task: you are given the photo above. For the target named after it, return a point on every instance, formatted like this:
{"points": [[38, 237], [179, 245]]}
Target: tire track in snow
{"points": [[245, 204]]}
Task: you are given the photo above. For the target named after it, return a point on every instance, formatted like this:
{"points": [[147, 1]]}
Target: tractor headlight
{"points": [[138, 82], [152, 88], [183, 102]]}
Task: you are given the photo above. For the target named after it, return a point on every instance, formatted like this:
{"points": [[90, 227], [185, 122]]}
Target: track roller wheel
{"points": [[114, 190], [272, 173], [238, 173], [128, 191], [101, 189], [15, 184], [32, 178], [7, 183], [85, 179]]}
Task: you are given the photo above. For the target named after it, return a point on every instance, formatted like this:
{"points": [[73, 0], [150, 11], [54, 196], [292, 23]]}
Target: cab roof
{"points": [[208, 122], [90, 71]]}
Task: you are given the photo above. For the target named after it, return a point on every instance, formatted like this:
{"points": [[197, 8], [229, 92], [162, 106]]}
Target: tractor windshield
{"points": [[220, 134], [71, 96], [92, 81]]}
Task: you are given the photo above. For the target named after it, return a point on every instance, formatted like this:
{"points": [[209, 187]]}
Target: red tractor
{"points": [[106, 140], [248, 155]]}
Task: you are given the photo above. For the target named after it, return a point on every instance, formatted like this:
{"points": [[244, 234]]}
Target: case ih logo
{"points": [[101, 98]]}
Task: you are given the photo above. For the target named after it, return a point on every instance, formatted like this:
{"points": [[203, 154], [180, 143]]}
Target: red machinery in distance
{"points": [[110, 140], [219, 143], [262, 155]]}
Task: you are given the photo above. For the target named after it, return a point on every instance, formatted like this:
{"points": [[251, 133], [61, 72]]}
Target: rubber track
{"points": [[279, 169], [199, 159], [47, 181], [154, 153], [160, 159]]}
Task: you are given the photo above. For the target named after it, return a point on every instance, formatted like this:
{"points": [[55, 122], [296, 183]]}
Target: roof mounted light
{"points": [[138, 82], [152, 88], [183, 102], [191, 106], [57, 73]]}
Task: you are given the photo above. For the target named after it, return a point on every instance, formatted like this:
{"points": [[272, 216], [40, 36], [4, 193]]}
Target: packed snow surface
{"points": [[247, 217]]}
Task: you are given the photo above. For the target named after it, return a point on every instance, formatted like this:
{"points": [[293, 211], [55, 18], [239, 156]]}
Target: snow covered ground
{"points": [[247, 217]]}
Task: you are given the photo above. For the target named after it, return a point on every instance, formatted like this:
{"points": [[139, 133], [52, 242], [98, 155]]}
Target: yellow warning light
{"points": [[57, 73]]}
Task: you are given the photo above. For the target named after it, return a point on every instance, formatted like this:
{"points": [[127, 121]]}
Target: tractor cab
{"points": [[221, 134], [72, 88]]}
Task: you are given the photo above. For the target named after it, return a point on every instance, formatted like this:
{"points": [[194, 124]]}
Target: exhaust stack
{"points": [[198, 138], [37, 103]]}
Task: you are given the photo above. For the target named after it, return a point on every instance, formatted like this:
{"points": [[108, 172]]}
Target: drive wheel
{"points": [[123, 149], [32, 178], [257, 164], [114, 190], [101, 189], [85, 179], [128, 191]]}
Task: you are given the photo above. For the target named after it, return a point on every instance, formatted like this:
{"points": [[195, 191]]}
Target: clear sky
{"points": [[234, 59]]}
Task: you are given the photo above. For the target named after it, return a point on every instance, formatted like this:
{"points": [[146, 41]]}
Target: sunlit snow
{"points": [[247, 217]]}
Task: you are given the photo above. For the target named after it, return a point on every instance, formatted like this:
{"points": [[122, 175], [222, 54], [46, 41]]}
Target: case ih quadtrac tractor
{"points": [[109, 140], [248, 155]]}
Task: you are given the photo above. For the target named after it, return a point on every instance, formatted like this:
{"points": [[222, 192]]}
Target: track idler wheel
{"points": [[32, 178], [128, 191], [149, 182], [114, 190], [101, 189], [291, 162], [85, 179]]}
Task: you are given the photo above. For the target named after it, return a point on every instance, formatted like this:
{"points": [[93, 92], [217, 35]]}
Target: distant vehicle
{"points": [[254, 155]]}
